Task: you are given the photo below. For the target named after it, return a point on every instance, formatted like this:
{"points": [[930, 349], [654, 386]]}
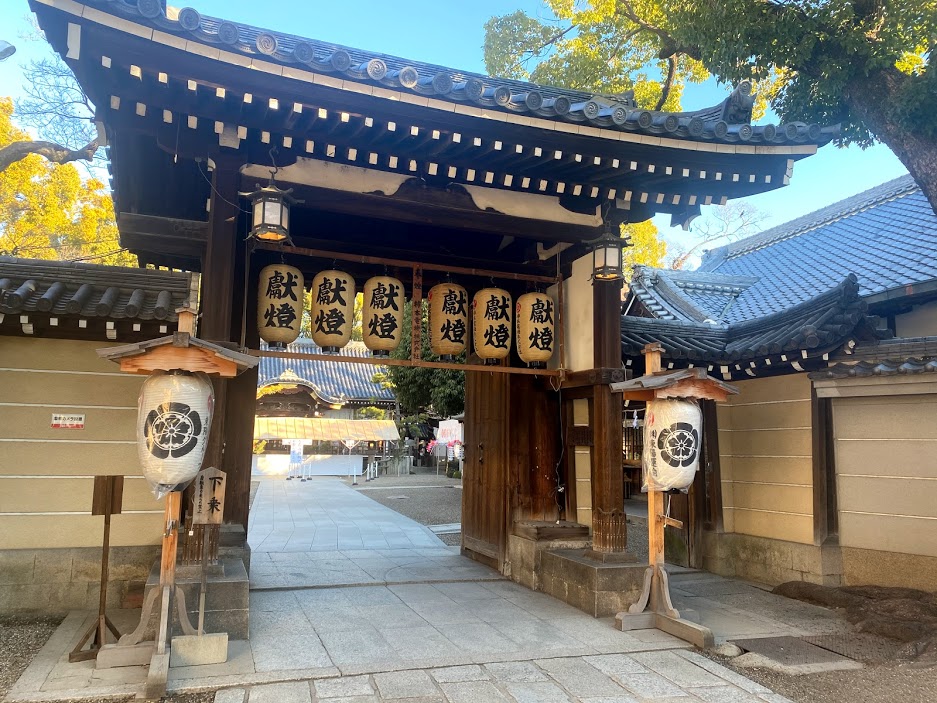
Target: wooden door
{"points": [[484, 481]]}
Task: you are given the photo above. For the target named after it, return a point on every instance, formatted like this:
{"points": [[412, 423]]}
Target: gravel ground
{"points": [[874, 684], [21, 638]]}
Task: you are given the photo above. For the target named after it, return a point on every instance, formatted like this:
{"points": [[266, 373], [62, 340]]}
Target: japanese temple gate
{"points": [[428, 173]]}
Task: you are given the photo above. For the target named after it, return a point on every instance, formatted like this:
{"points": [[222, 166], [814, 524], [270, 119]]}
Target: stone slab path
{"points": [[352, 602]]}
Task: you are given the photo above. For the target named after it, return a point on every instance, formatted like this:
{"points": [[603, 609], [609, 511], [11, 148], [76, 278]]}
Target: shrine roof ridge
{"points": [[93, 290], [728, 122], [814, 327]]}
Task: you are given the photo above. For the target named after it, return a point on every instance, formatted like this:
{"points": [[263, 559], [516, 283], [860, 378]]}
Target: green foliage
{"points": [[47, 211], [593, 46], [822, 56], [371, 413], [863, 64], [419, 389]]}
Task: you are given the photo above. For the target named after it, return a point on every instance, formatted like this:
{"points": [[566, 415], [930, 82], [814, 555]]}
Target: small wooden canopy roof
{"points": [[179, 351], [683, 383]]}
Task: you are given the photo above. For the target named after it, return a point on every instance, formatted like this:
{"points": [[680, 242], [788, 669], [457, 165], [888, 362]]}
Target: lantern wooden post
{"points": [[655, 608], [178, 352]]}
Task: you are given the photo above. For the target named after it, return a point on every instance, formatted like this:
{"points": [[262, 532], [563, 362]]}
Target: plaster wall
{"points": [[582, 462], [886, 477], [50, 545], [920, 322], [578, 315], [766, 459]]}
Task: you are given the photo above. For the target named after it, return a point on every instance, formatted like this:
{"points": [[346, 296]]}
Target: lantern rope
{"points": [[215, 190]]}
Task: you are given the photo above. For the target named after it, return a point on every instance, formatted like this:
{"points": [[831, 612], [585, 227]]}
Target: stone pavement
{"points": [[323, 533], [351, 601], [678, 676]]}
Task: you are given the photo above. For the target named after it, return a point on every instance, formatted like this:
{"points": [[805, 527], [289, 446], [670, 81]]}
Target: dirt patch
{"points": [[901, 614]]}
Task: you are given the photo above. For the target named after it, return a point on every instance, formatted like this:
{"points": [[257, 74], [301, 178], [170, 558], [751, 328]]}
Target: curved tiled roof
{"points": [[86, 290], [889, 357], [728, 122], [335, 383], [814, 327], [886, 236]]}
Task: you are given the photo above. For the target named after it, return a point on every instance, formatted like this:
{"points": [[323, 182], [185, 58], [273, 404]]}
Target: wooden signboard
{"points": [[208, 497]]}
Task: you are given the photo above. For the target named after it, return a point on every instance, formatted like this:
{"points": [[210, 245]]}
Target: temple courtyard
{"points": [[352, 601]]}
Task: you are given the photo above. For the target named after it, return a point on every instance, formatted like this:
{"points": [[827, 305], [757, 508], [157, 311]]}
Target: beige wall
{"points": [[920, 322], [886, 472], [582, 463], [46, 474], [766, 459], [578, 316]]}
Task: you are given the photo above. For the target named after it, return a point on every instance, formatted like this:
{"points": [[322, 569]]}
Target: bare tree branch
{"points": [[668, 82], [56, 153]]}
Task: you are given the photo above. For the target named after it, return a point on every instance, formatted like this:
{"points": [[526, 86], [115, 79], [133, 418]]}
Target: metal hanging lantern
{"points": [[382, 317], [491, 324], [270, 214], [672, 431], [332, 311], [173, 421], [607, 264], [448, 320], [535, 329], [280, 304]]}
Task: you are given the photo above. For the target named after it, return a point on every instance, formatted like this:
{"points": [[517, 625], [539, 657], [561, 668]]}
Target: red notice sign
{"points": [[62, 421]]}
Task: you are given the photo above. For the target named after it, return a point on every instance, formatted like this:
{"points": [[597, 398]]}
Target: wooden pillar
{"points": [[229, 446], [609, 525]]}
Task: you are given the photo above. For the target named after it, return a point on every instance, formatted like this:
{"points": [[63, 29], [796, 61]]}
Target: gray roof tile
{"points": [[332, 381], [886, 236]]}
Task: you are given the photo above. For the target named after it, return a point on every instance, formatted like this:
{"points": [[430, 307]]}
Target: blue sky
{"points": [[450, 32]]}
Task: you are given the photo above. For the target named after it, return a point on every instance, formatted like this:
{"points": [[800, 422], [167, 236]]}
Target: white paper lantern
{"points": [[173, 420], [382, 319], [448, 320], [280, 304], [333, 307], [535, 329], [492, 324], [672, 430]]}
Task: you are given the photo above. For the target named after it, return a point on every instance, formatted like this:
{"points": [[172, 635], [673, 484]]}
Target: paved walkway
{"points": [[352, 602], [322, 533]]}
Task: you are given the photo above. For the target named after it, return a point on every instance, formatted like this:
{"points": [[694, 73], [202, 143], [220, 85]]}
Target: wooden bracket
{"points": [[654, 608]]}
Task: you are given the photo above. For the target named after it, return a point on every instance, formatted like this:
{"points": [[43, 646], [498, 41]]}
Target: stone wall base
{"points": [[560, 568], [863, 567], [771, 561], [58, 580]]}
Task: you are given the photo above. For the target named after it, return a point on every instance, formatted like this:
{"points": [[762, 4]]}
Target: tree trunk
{"points": [[870, 99]]}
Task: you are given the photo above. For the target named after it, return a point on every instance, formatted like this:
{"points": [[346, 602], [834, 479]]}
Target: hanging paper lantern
{"points": [[672, 431], [333, 307], [280, 304], [173, 419], [535, 329], [491, 324], [448, 320], [382, 316]]}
